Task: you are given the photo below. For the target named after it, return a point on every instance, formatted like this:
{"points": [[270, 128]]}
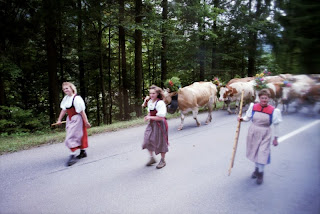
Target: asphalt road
{"points": [[114, 178]]}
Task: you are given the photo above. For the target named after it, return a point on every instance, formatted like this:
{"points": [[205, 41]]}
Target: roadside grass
{"points": [[18, 142]]}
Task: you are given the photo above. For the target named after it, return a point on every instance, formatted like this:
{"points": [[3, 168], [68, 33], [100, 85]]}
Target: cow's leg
{"points": [[228, 107], [195, 114], [299, 104], [237, 107], [209, 118], [224, 105], [285, 106], [276, 102], [182, 120]]}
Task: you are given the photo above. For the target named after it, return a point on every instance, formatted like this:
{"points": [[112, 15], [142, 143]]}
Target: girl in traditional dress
{"points": [[156, 133], [259, 134], [77, 122]]}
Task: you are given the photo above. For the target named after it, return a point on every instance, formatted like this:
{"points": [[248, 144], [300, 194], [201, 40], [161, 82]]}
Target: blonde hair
{"points": [[74, 89], [158, 90]]}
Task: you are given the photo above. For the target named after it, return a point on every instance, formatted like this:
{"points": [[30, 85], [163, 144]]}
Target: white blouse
{"points": [[276, 118], [78, 103], [160, 107]]}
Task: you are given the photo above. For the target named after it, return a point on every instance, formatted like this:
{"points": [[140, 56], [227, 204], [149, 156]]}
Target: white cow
{"points": [[234, 80], [233, 93]]}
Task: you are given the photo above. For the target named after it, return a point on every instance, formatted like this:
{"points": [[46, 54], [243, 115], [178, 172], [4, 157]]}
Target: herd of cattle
{"points": [[302, 90]]}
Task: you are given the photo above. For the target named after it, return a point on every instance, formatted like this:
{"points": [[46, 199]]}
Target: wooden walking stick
{"points": [[235, 145], [55, 124]]}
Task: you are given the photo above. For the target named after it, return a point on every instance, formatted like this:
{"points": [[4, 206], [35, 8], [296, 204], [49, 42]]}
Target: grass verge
{"points": [[14, 143]]}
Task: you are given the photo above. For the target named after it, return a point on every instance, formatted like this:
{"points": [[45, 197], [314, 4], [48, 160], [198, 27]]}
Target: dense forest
{"points": [[114, 50]]}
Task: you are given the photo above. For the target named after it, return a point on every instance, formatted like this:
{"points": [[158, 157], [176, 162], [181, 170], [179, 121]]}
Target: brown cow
{"points": [[273, 79], [310, 99], [275, 90], [245, 79], [190, 98], [233, 93], [223, 88], [299, 87]]}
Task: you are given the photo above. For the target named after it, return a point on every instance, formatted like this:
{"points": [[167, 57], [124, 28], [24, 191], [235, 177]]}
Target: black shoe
{"points": [[72, 160], [255, 173], [82, 154], [260, 178]]}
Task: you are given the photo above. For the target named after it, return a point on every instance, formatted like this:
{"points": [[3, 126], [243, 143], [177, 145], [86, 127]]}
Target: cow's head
{"points": [[223, 91], [226, 93], [286, 94], [171, 100], [257, 99]]}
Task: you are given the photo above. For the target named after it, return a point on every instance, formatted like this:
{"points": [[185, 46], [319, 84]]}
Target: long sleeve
{"points": [[161, 109], [248, 115], [79, 104], [276, 120], [63, 104]]}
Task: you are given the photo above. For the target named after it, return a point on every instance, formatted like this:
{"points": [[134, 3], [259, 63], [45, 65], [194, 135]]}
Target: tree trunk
{"points": [[214, 45], [97, 90], [102, 79], [80, 53], [60, 42], [243, 64], [138, 60], [124, 63], [149, 66], [164, 42], [109, 76], [154, 68], [3, 99], [252, 53], [50, 37], [120, 83], [202, 51], [202, 59], [253, 41]]}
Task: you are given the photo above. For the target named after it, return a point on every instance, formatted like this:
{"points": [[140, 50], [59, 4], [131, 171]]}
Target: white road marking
{"points": [[283, 138]]}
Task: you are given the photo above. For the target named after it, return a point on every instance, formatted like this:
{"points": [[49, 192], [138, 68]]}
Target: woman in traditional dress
{"points": [[259, 134], [77, 122], [156, 133]]}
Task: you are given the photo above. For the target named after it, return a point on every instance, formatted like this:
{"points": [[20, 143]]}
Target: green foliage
{"points": [[17, 120], [215, 33], [237, 76], [297, 46], [173, 84], [9, 69]]}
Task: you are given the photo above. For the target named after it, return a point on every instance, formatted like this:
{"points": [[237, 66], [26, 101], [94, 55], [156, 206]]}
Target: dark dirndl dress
{"points": [[156, 135]]}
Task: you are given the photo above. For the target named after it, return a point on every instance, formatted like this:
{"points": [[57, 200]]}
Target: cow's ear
{"points": [[234, 91]]}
